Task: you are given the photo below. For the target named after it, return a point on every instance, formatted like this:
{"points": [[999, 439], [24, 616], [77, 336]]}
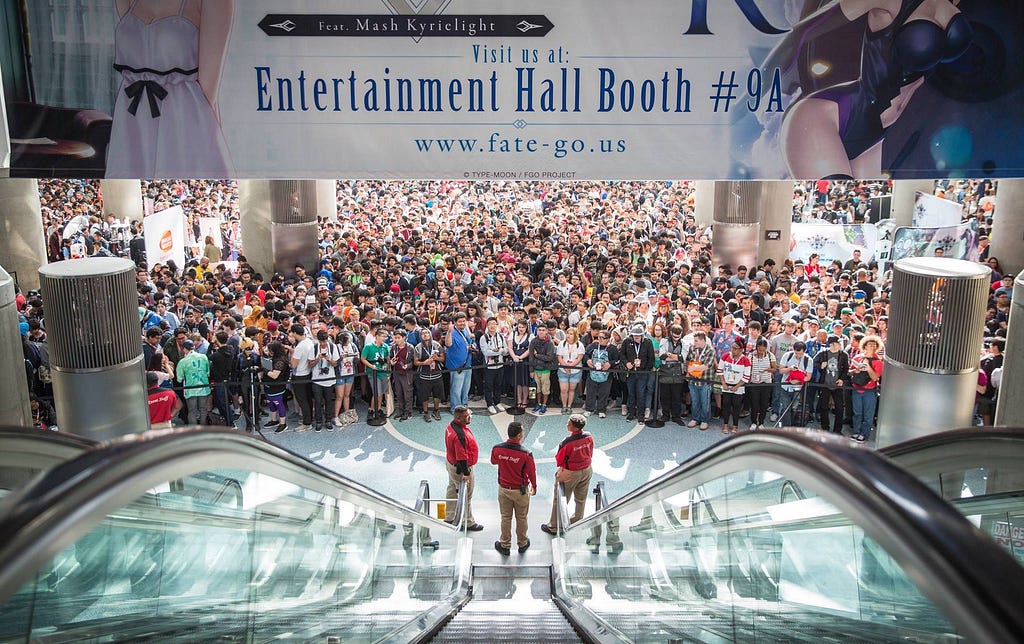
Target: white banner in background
{"points": [[934, 212], [958, 242], [165, 237], [833, 241]]}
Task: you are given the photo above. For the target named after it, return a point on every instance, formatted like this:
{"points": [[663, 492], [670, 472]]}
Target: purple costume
{"points": [[891, 59], [163, 125]]}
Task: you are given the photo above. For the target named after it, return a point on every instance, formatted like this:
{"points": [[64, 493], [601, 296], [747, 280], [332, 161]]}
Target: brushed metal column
{"points": [[737, 228], [704, 202], [92, 325], [14, 405], [278, 223], [932, 357], [1010, 405]]}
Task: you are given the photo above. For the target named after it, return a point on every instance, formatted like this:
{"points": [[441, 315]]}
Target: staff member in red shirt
{"points": [[517, 482], [163, 403], [461, 452], [573, 460]]}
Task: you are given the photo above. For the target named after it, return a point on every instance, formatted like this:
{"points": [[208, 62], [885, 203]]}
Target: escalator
{"points": [[26, 453], [196, 536]]}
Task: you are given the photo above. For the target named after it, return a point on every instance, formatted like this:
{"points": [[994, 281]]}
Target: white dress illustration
{"points": [[163, 124]]}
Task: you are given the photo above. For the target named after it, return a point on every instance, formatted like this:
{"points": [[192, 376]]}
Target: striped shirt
{"points": [[760, 368]]}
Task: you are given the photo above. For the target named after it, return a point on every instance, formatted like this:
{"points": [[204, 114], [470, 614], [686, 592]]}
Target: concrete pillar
{"points": [[278, 224], [903, 195], [14, 407], [122, 198], [936, 326], [736, 228], [776, 214], [1010, 405], [327, 199], [1008, 226], [704, 203], [92, 326], [22, 244]]}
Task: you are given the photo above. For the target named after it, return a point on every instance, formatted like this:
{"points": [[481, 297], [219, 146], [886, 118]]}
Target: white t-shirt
{"points": [[304, 352], [323, 372], [347, 364], [569, 353]]}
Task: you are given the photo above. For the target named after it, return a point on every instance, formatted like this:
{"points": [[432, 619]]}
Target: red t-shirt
{"points": [[161, 405], [457, 453]]}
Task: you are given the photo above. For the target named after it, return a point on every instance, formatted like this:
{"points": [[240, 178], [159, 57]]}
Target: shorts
{"points": [[543, 379], [428, 389], [344, 380], [573, 377]]}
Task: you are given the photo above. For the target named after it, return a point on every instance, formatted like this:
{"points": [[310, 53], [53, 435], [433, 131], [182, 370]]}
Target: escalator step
{"points": [[508, 621]]}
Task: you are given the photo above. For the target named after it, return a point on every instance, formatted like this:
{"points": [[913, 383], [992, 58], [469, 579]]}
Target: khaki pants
{"points": [[453, 494], [577, 486], [509, 502]]}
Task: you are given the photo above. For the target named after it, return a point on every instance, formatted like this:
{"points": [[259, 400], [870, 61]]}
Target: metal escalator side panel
{"points": [[934, 549], [302, 550]]}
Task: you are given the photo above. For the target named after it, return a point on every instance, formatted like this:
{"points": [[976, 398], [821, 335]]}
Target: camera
{"points": [[323, 371]]}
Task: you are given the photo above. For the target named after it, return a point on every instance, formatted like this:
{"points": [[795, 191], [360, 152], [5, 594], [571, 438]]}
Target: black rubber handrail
{"points": [[977, 585], [41, 518]]}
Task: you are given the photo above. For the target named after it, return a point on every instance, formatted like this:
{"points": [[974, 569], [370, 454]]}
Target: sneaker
{"points": [[427, 417], [337, 422], [543, 410], [601, 414], [329, 427], [318, 428], [502, 549], [500, 407], [854, 437], [692, 423], [861, 438], [625, 410], [703, 426], [536, 408], [491, 410], [630, 417], [586, 413], [280, 428], [753, 426], [303, 428], [437, 414], [272, 423]]}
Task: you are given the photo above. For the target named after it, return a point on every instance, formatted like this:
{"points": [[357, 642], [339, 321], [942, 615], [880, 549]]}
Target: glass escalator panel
{"points": [[252, 550], [26, 452], [754, 544]]}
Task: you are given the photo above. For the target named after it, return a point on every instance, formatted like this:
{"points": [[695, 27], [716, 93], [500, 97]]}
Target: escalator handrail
{"points": [[11, 432], [1013, 436], [976, 584], [40, 519]]}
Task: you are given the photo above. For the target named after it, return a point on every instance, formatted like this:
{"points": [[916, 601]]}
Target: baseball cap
{"points": [[151, 380], [188, 344], [846, 310], [833, 338], [395, 288], [859, 294], [636, 329], [272, 325]]}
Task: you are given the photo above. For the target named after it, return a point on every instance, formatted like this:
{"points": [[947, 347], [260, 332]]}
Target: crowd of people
{"points": [[428, 295]]}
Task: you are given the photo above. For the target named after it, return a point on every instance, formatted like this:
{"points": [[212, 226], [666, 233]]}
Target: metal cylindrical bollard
{"points": [[1010, 404], [293, 227], [14, 403], [92, 324], [932, 358], [737, 227]]}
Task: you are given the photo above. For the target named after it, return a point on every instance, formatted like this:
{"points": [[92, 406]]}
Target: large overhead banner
{"points": [[532, 89], [958, 242], [833, 241], [164, 232]]}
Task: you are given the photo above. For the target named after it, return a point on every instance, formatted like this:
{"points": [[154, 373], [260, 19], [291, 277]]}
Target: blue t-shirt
{"points": [[457, 356]]}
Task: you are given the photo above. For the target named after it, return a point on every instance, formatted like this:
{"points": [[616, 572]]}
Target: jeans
{"points": [[639, 386], [459, 394], [790, 402], [198, 407], [864, 404], [221, 403], [700, 401]]}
